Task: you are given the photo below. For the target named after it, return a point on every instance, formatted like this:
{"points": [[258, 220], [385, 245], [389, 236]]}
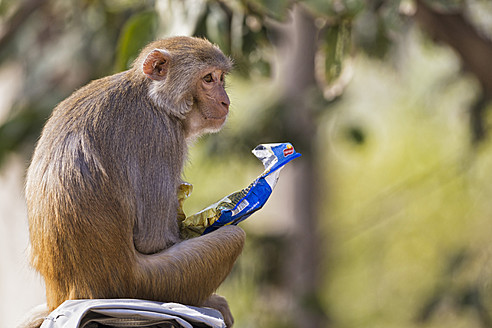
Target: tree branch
{"points": [[26, 8], [453, 29], [474, 49]]}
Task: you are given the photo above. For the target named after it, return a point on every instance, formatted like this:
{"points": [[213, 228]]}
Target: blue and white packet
{"points": [[239, 205]]}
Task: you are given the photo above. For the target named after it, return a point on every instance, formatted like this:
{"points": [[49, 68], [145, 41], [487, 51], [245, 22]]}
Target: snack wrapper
{"points": [[239, 205]]}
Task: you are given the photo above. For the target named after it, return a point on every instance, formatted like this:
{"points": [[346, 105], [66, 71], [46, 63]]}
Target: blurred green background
{"points": [[384, 221]]}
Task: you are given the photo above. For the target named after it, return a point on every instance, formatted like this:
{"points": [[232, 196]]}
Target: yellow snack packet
{"points": [[239, 205]]}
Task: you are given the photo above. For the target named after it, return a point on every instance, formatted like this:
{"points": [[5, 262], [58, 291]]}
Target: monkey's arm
{"points": [[190, 271]]}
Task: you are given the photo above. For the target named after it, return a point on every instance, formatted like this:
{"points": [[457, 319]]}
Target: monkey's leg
{"points": [[190, 271]]}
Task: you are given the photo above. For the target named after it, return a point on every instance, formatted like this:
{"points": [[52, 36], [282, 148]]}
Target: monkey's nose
{"points": [[225, 102]]}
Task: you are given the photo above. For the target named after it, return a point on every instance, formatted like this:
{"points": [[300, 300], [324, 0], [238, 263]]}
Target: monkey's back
{"points": [[107, 159]]}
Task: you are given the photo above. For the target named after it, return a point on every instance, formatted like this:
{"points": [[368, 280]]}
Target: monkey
{"points": [[101, 188]]}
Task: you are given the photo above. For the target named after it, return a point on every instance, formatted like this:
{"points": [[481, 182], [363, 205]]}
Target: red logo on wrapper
{"points": [[288, 151]]}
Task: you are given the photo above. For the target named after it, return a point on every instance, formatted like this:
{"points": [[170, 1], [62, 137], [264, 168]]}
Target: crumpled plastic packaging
{"points": [[239, 205]]}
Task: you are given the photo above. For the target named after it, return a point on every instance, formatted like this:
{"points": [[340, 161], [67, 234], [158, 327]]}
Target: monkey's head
{"points": [[187, 78]]}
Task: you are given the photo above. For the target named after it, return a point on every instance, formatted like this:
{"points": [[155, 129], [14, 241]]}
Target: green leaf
{"points": [[277, 9], [333, 50], [334, 9], [137, 32]]}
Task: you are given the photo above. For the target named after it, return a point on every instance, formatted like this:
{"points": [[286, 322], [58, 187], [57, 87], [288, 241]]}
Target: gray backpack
{"points": [[122, 313]]}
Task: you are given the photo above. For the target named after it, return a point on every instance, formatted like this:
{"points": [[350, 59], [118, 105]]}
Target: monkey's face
{"points": [[188, 77], [212, 99], [210, 104]]}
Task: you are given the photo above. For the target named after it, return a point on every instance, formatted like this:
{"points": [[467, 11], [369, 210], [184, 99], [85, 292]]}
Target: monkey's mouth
{"points": [[214, 118], [215, 124], [210, 118]]}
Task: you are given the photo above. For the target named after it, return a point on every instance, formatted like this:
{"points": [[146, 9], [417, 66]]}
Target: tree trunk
{"points": [[303, 279]]}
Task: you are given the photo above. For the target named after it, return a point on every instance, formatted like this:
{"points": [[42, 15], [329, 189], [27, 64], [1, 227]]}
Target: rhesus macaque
{"points": [[102, 186]]}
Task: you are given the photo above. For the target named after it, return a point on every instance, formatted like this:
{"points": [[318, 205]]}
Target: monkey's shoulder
{"points": [[110, 93]]}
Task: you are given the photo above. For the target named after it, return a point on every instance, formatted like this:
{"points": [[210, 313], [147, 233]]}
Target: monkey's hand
{"points": [[220, 303]]}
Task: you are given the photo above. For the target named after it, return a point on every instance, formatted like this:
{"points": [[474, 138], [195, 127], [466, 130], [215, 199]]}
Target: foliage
{"points": [[85, 32], [138, 31], [104, 36]]}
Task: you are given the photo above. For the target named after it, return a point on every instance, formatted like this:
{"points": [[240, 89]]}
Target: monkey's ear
{"points": [[156, 64]]}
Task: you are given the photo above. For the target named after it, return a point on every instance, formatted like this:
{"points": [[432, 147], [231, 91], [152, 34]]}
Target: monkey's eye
{"points": [[208, 78]]}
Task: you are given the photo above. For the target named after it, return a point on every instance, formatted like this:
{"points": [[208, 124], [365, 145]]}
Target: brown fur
{"points": [[101, 188]]}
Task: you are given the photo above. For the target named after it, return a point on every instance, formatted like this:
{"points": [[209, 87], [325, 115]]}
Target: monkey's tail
{"points": [[35, 317], [190, 271]]}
